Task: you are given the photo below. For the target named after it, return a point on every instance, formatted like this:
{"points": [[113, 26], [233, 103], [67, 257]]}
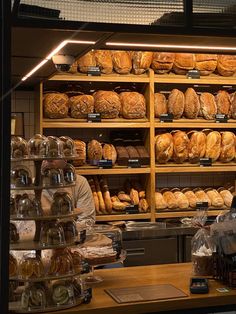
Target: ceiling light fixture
{"points": [[197, 47], [55, 51]]}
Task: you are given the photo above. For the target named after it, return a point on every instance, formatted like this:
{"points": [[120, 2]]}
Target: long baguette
{"points": [[102, 206], [95, 196], [106, 194]]}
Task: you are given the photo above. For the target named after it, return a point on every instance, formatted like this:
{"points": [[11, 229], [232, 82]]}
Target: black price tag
{"points": [[221, 118], [205, 162], [134, 163], [94, 71], [105, 163], [132, 209], [202, 205], [94, 117], [193, 74], [166, 117]]}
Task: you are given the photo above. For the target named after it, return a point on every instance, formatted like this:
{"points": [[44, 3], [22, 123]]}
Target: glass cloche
{"points": [[51, 147], [21, 177], [68, 146], [34, 145], [19, 148]]}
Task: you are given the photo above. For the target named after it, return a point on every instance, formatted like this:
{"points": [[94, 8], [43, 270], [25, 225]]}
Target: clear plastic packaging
{"points": [[70, 230], [14, 234], [52, 177], [61, 263], [51, 234], [27, 206], [19, 147], [13, 266], [62, 293], [51, 147], [69, 174], [62, 203], [68, 146], [21, 177], [34, 145], [34, 297], [31, 267]]}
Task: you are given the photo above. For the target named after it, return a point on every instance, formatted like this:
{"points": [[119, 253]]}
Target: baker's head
{"points": [[54, 163]]}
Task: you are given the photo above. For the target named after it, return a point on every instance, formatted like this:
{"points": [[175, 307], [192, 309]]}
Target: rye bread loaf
{"points": [[55, 105], [175, 103], [223, 102], [160, 104], [192, 104], [107, 103], [208, 106], [81, 105], [162, 62], [233, 105], [122, 156], [133, 105]]}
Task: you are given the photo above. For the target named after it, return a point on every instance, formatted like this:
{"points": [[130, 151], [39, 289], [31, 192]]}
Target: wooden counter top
{"points": [[175, 274]]}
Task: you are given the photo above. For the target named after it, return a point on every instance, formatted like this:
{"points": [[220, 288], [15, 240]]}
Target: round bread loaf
{"points": [[226, 65], [196, 146], [107, 103], [121, 61], [162, 62], [208, 106], [181, 142], [94, 152], [55, 105], [164, 148], [205, 63], [160, 203], [141, 61], [81, 105], [176, 103], [160, 104], [104, 61], [223, 102], [170, 199], [183, 63], [80, 149], [109, 152], [133, 105], [213, 145], [227, 146], [86, 61], [182, 200], [192, 104]]}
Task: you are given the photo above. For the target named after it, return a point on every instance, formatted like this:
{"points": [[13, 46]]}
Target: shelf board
{"points": [[114, 77], [106, 123], [116, 217], [182, 79], [187, 167], [91, 170], [195, 123], [32, 245], [188, 213]]}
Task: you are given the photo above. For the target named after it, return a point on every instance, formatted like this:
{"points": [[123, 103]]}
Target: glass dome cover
{"points": [[34, 145], [51, 147], [34, 297], [69, 174], [51, 234], [62, 203], [52, 177], [31, 266], [19, 147], [68, 146], [21, 177], [28, 206]]}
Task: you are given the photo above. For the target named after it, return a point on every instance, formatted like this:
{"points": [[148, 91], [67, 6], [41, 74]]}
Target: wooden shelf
{"points": [[32, 245], [187, 167], [116, 217], [195, 123], [188, 213], [90, 170]]}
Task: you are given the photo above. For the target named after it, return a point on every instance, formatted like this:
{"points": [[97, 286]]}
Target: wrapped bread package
{"points": [[109, 152], [196, 146], [162, 62], [191, 104], [170, 199], [160, 104], [81, 105], [94, 152], [233, 105], [55, 105], [86, 61], [80, 149], [107, 103], [213, 145], [103, 60], [226, 65], [227, 146], [223, 102], [121, 61], [141, 61], [160, 203], [208, 106], [205, 63], [181, 142], [175, 103], [164, 148], [133, 105], [183, 63]]}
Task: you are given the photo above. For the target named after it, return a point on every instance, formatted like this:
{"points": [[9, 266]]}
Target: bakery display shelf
{"points": [[213, 79], [42, 187], [143, 78], [28, 245], [44, 158], [105, 123], [75, 213], [92, 170], [116, 217], [183, 213], [187, 167], [195, 123]]}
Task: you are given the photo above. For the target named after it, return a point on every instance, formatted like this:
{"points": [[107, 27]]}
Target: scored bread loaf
{"points": [[94, 152], [227, 196], [170, 199], [208, 106], [183, 63], [196, 146], [192, 198], [213, 145], [122, 156], [223, 102], [104, 61], [106, 194], [55, 105], [227, 146], [205, 63], [215, 197], [191, 104], [109, 152], [233, 105], [160, 104], [134, 196], [162, 62], [175, 103], [80, 149], [123, 197], [143, 205], [181, 142], [133, 105], [202, 196], [118, 206], [182, 200], [226, 65], [86, 61], [107, 103], [164, 148], [160, 203], [141, 61], [121, 61], [81, 105]]}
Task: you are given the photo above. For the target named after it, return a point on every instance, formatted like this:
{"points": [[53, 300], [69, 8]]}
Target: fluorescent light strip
{"points": [[170, 46], [55, 51]]}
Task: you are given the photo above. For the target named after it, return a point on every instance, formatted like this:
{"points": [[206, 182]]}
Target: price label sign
{"points": [[94, 71], [94, 117], [205, 162], [221, 118], [166, 117], [105, 163], [132, 209], [202, 205], [134, 163], [193, 74]]}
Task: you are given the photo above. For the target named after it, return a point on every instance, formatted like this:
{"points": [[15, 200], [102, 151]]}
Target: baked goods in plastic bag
{"points": [[27, 205], [61, 263], [52, 177]]}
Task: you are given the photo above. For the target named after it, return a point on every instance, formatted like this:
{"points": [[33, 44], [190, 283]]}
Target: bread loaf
{"points": [[213, 145], [81, 105], [107, 103], [80, 149], [164, 148], [122, 156], [181, 142], [202, 197], [192, 104], [170, 199], [205, 63], [106, 194], [121, 61], [175, 103], [55, 105], [143, 155], [182, 200], [196, 146], [95, 196], [143, 205], [86, 61], [215, 197], [141, 61], [132, 151], [233, 105], [134, 196], [162, 62], [192, 199], [226, 65], [133, 105], [183, 63], [109, 152], [102, 206], [208, 106], [104, 61], [160, 203], [123, 197], [227, 197], [223, 102], [160, 104], [227, 146], [118, 206], [94, 152]]}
